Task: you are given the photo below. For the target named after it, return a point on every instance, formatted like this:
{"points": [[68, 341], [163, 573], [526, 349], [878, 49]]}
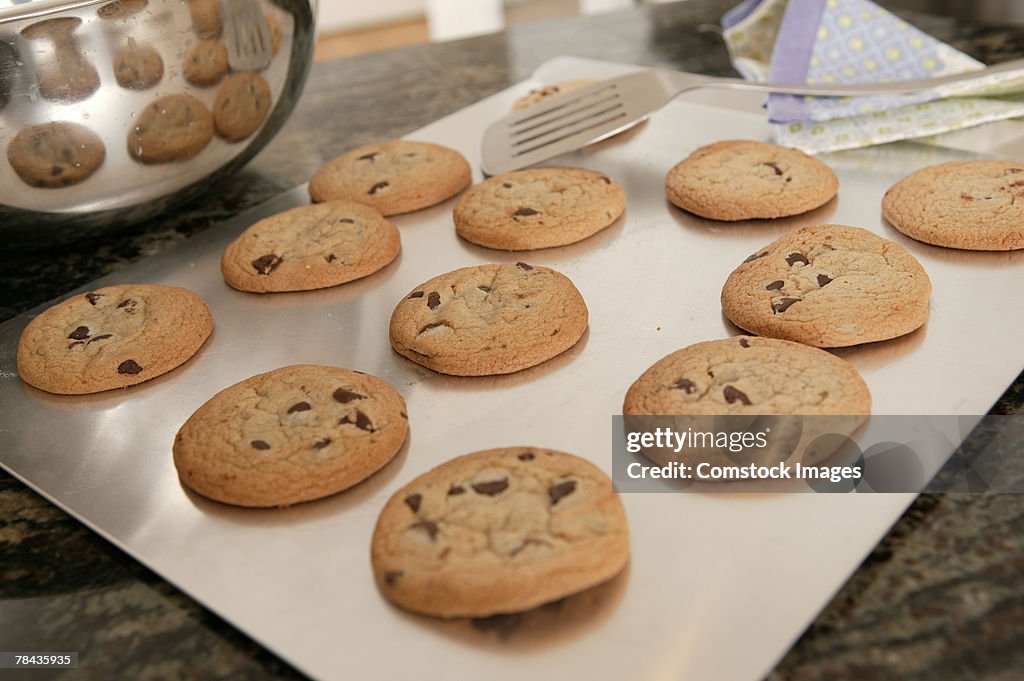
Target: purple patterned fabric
{"points": [[791, 56], [739, 13]]}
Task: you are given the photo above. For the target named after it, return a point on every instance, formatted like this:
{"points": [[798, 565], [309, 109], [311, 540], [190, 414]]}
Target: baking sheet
{"points": [[719, 586]]}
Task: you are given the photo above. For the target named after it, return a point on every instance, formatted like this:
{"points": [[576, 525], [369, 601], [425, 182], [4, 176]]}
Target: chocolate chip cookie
{"points": [[498, 531], [963, 204], [121, 9], [744, 180], [242, 104], [538, 208], [137, 67], [206, 21], [749, 375], [719, 385], [829, 286], [172, 128], [548, 91], [393, 177], [206, 63], [310, 247], [112, 337], [489, 319], [290, 435], [56, 154]]}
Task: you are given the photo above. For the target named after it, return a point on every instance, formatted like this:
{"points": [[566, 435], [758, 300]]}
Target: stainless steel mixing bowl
{"points": [[103, 70]]}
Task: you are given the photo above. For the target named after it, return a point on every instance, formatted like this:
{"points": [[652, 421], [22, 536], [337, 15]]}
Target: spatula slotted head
{"points": [[246, 36], [571, 120]]}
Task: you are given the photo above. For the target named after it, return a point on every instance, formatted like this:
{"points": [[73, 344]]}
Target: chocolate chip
{"points": [[525, 212], [346, 221], [491, 487], [433, 300], [403, 415], [126, 302], [129, 366], [966, 197], [56, 170], [686, 385], [561, 489], [824, 279], [265, 264], [774, 166], [330, 257], [485, 289], [794, 258], [784, 304], [427, 526], [523, 266], [755, 256], [526, 456], [320, 444], [733, 395], [744, 343], [377, 187], [259, 444], [362, 421], [102, 336], [299, 406], [506, 185], [369, 157], [81, 333], [93, 297], [433, 325], [1013, 171], [775, 285], [456, 490], [345, 396], [413, 501], [391, 577], [605, 180], [416, 294]]}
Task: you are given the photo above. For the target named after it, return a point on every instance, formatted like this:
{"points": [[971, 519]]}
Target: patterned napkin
{"points": [[830, 42]]}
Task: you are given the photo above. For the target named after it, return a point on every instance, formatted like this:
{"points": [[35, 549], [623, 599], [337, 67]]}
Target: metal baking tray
{"points": [[719, 586]]}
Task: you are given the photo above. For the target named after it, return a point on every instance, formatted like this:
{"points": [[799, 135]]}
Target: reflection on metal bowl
{"points": [[112, 111]]}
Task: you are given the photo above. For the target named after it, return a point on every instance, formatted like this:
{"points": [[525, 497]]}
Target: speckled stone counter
{"points": [[940, 598]]}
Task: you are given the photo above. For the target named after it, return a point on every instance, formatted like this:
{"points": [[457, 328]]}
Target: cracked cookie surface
{"points": [[394, 177], [829, 286], [745, 179], [310, 247], [538, 208], [974, 205], [489, 319], [290, 435], [112, 337], [748, 375], [497, 531]]}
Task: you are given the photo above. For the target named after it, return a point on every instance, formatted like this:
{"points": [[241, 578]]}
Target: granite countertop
{"points": [[941, 597]]}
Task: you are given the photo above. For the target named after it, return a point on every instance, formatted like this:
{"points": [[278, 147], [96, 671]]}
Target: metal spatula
{"points": [[574, 119], [246, 36]]}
